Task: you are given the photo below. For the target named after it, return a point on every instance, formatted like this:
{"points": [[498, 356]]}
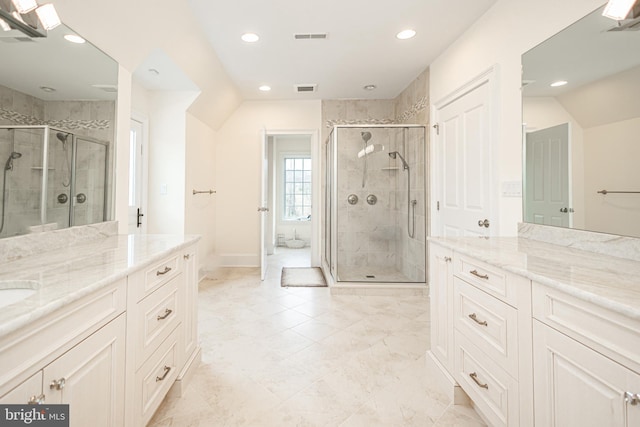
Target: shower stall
{"points": [[52, 178], [375, 204]]}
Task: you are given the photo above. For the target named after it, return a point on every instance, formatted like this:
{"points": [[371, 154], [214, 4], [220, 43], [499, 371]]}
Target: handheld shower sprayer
{"points": [[395, 154], [9, 165]]}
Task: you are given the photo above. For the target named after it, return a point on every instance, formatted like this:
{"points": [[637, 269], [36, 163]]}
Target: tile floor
{"points": [[301, 357]]}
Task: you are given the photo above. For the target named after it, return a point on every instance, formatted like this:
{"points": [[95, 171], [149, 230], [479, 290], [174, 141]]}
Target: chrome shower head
{"points": [[366, 136], [395, 154], [14, 155], [62, 136]]}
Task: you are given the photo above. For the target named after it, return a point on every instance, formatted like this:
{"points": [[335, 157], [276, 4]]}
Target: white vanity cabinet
{"points": [[161, 331], [76, 356], [481, 333], [441, 304], [115, 352], [586, 360]]}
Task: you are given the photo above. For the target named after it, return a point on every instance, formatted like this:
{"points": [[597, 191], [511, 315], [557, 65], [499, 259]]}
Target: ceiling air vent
{"points": [[310, 36], [305, 88]]}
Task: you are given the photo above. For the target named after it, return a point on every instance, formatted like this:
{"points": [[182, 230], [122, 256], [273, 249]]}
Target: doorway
{"points": [[291, 188], [138, 163]]}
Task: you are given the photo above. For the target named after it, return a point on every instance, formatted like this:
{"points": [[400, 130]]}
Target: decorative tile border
{"points": [[70, 124], [412, 112]]}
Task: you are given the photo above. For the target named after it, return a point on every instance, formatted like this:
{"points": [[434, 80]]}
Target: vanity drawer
{"points": [[488, 323], [612, 334], [157, 316], [155, 378], [486, 277], [160, 273], [493, 391]]}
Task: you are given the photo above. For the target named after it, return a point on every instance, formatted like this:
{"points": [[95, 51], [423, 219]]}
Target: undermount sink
{"points": [[13, 291]]}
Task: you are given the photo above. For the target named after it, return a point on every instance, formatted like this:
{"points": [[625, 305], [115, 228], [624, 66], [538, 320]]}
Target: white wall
{"points": [[545, 112], [200, 209], [501, 36], [611, 157], [238, 172]]}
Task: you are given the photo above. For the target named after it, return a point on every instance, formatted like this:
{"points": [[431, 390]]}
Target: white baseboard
{"points": [[184, 377], [445, 382], [234, 260]]}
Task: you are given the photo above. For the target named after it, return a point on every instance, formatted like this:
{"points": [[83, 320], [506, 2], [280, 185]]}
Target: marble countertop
{"points": [[68, 274], [607, 281]]}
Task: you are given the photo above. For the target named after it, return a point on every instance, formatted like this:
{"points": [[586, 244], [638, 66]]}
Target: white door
{"points": [[547, 198], [137, 224], [264, 204], [463, 163]]}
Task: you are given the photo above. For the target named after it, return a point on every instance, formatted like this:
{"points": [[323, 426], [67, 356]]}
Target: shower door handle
{"points": [[139, 215]]}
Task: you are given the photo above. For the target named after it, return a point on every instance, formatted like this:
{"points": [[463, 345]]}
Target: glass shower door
{"points": [[90, 179]]}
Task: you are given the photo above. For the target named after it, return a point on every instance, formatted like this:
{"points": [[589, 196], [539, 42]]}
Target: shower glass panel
{"points": [[21, 155], [378, 203], [91, 174], [71, 168]]}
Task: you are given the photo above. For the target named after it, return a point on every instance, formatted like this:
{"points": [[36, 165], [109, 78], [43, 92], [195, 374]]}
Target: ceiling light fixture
{"points": [[618, 9], [48, 16], [73, 38], [559, 83], [406, 34], [24, 6], [265, 88], [250, 37], [369, 87]]}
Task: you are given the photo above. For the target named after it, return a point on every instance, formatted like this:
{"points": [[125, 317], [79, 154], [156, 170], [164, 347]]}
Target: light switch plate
{"points": [[512, 189]]}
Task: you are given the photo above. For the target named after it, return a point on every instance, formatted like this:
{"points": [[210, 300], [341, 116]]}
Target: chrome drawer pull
{"points": [[58, 384], [187, 256], [447, 259], [166, 270], [167, 369], [36, 400], [482, 276], [166, 314], [473, 317], [632, 399], [474, 377]]}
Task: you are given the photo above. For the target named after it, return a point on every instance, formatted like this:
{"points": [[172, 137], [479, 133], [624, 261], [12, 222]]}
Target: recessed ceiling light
{"points": [[74, 38], [369, 87], [265, 88], [47, 89], [250, 37], [406, 34], [559, 83]]}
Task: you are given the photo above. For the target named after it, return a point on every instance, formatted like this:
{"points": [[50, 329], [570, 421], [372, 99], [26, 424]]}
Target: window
{"points": [[297, 188]]}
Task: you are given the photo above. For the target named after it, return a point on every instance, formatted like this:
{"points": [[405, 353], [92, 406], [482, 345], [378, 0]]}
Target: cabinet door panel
{"points": [[93, 374], [575, 386], [29, 390], [441, 303]]}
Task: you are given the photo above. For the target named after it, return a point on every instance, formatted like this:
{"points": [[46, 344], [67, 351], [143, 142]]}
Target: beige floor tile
{"points": [[301, 357]]}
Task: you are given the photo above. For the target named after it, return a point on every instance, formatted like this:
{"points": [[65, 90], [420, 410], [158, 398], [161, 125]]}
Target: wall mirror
{"points": [[581, 114], [57, 128]]}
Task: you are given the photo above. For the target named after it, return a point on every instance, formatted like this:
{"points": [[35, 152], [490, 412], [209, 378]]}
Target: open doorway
{"points": [[291, 221]]}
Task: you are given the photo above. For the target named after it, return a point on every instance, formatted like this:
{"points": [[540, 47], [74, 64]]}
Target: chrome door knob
{"points": [[483, 223]]}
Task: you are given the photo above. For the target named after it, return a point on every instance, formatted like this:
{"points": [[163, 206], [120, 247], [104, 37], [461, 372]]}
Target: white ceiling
{"points": [[71, 69], [361, 47]]}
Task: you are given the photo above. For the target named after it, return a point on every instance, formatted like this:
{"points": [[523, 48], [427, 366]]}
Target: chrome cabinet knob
{"points": [[58, 384], [483, 223]]}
